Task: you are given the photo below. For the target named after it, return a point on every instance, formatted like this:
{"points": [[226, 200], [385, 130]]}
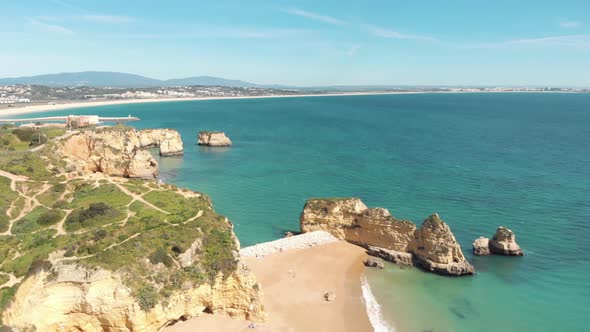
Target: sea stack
{"points": [[168, 140], [213, 138], [432, 247], [503, 243]]}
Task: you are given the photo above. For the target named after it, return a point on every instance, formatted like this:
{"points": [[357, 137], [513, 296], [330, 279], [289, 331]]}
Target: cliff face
{"points": [[109, 253], [74, 298], [437, 250], [431, 247], [211, 138], [110, 151], [168, 140]]}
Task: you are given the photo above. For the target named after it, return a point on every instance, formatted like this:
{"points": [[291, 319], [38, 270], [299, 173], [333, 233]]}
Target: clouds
{"points": [[570, 24], [314, 16], [111, 19], [387, 33], [569, 41], [49, 27]]}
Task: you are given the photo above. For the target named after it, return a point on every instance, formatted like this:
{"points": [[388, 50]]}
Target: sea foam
{"points": [[374, 309]]}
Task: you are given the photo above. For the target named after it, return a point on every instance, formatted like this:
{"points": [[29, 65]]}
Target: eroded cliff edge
{"points": [[83, 250], [432, 247]]}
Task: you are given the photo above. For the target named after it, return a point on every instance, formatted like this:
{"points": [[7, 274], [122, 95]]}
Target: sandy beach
{"points": [[64, 105], [294, 283]]}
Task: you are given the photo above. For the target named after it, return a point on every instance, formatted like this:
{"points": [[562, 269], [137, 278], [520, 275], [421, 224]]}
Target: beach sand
{"points": [[294, 283], [64, 105]]}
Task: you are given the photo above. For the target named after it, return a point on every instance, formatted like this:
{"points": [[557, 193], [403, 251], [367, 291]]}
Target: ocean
{"points": [[479, 160]]}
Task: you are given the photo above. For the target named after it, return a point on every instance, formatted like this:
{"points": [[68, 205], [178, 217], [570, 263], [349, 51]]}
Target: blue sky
{"points": [[346, 42]]}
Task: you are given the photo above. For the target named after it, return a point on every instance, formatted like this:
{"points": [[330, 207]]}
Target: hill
{"points": [[116, 79]]}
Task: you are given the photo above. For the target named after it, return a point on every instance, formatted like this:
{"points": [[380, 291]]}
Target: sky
{"points": [[305, 43]]}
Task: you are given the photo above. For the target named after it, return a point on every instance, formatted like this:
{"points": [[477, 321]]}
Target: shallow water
{"points": [[479, 160]]}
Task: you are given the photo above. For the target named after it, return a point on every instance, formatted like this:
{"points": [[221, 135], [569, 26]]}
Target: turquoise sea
{"points": [[479, 160]]}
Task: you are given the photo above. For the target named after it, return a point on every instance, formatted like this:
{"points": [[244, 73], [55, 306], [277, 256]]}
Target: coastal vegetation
{"points": [[139, 229]]}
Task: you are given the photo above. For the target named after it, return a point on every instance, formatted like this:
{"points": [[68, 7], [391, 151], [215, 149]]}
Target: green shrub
{"points": [[50, 217], [147, 296], [161, 256], [24, 134]]}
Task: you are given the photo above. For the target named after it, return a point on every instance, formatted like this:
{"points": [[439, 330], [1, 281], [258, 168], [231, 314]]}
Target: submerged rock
{"points": [[213, 138], [504, 243], [432, 247], [481, 246], [168, 140]]}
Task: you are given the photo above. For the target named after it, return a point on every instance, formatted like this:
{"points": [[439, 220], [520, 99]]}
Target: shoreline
{"points": [[293, 283], [81, 104], [19, 110]]}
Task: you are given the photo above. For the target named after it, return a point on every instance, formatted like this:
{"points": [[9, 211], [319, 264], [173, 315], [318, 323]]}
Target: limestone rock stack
{"points": [[481, 246], [433, 247], [436, 249], [213, 138], [503, 243], [168, 140]]}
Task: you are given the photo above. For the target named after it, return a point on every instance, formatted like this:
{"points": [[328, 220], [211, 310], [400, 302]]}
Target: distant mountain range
{"points": [[114, 79]]}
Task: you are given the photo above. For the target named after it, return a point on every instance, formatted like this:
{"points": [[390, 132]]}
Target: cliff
{"points": [[432, 247], [112, 151], [167, 140], [213, 138], [82, 250]]}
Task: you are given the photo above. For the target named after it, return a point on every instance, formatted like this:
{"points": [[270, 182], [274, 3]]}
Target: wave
{"points": [[374, 309]]}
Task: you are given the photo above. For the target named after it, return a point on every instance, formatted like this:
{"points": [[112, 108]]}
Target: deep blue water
{"points": [[479, 160]]}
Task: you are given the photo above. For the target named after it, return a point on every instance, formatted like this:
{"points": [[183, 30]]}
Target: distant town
{"points": [[21, 95]]}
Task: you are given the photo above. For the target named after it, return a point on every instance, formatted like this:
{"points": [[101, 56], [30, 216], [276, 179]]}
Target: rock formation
{"points": [[213, 138], [432, 247], [503, 243], [168, 140], [112, 151], [74, 298], [436, 250], [374, 262], [481, 246]]}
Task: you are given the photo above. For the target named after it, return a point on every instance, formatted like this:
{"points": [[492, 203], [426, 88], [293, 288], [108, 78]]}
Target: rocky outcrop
{"points": [[373, 262], [481, 246], [112, 151], [74, 298], [503, 243], [168, 140], [432, 247], [436, 250], [213, 138]]}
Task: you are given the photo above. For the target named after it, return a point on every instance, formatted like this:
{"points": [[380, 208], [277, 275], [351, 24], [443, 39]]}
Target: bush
{"points": [[147, 297], [161, 256], [24, 134], [99, 235], [49, 218], [78, 217]]}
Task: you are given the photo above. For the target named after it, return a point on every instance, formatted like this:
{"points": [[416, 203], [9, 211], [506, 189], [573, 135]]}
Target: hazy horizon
{"points": [[305, 43]]}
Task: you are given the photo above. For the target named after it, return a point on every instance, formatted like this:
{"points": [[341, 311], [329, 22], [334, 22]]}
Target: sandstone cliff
{"points": [[75, 298], [168, 140], [433, 247], [213, 138], [112, 151]]}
